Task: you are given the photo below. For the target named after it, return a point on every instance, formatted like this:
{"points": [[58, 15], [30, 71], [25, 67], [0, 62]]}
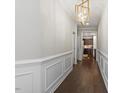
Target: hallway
{"points": [[49, 39], [85, 78]]}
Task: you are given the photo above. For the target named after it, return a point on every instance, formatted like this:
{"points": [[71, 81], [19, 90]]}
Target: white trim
{"points": [[104, 79], [39, 75], [75, 48], [102, 70], [48, 87], [67, 69], [62, 79], [66, 58], [103, 54], [40, 60], [22, 74]]}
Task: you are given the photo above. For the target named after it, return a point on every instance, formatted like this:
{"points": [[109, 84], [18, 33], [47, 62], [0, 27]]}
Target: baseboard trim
{"points": [[40, 60], [102, 69], [103, 77], [62, 79]]}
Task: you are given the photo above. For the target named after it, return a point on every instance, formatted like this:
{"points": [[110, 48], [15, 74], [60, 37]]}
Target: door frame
{"points": [[74, 45]]}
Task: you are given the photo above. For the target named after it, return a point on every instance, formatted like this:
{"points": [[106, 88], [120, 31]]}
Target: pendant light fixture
{"points": [[82, 11]]}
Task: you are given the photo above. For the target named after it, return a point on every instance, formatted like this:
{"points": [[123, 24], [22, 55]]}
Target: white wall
{"points": [[74, 45], [43, 28], [79, 45], [43, 45], [103, 32], [43, 75], [28, 37], [102, 48], [94, 42]]}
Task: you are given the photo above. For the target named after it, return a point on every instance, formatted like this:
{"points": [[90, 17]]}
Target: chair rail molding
{"points": [[40, 60], [43, 75]]}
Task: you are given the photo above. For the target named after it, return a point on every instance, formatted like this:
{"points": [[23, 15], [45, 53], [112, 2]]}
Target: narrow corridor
{"points": [[50, 36], [85, 78]]}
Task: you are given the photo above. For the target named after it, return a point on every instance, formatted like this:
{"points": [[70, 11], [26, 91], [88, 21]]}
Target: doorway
{"points": [[88, 47], [90, 43]]}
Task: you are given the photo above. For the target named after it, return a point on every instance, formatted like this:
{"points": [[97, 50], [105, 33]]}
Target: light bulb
{"points": [[82, 17], [87, 23], [80, 14]]}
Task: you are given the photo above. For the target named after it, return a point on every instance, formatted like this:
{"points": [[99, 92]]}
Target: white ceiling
{"points": [[96, 8]]}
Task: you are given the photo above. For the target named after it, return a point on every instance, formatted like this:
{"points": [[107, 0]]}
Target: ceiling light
{"points": [[82, 11], [79, 14], [85, 11], [87, 23]]}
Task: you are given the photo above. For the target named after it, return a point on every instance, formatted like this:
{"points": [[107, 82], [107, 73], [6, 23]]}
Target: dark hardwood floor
{"points": [[85, 78]]}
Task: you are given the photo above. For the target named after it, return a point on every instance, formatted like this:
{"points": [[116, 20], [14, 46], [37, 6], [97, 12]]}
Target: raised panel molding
{"points": [[24, 82], [68, 62], [52, 73], [102, 60], [61, 80], [44, 75]]}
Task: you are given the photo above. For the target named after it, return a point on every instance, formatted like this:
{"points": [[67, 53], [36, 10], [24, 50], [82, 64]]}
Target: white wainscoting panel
{"points": [[53, 73], [44, 75], [106, 70], [68, 63], [22, 81], [28, 78], [102, 60]]}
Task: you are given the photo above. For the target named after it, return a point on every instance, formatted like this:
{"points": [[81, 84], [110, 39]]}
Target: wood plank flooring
{"points": [[85, 78]]}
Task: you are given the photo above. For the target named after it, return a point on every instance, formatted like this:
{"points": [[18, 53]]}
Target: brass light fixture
{"points": [[82, 11]]}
